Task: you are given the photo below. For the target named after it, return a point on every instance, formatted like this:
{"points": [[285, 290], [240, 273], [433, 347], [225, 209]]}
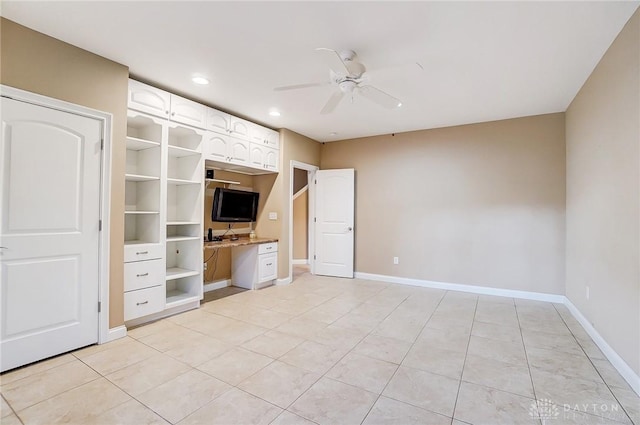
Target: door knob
{"points": [[349, 229]]}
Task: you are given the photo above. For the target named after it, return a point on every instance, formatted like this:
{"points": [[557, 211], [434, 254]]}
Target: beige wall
{"points": [[219, 265], [300, 226], [293, 147], [37, 63], [603, 196], [479, 204]]}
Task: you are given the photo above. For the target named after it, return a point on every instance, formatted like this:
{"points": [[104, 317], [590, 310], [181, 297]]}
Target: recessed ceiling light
{"points": [[333, 133], [399, 104], [200, 80], [274, 113]]}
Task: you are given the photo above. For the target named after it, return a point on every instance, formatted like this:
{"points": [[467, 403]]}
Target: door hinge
{"points": [[99, 306], [314, 256], [101, 144], [315, 181], [99, 225], [315, 220]]}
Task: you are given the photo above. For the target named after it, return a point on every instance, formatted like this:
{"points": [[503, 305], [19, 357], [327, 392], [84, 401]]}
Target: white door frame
{"points": [[311, 171], [105, 192]]}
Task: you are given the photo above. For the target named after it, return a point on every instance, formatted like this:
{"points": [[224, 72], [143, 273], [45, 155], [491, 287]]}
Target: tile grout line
{"points": [[466, 353], [526, 356]]}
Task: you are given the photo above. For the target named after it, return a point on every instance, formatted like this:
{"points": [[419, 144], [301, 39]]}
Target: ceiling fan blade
{"points": [[301, 86], [332, 103], [333, 60], [381, 98]]}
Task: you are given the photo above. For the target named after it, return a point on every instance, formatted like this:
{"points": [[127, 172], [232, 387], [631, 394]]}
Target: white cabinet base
{"points": [[253, 267]]}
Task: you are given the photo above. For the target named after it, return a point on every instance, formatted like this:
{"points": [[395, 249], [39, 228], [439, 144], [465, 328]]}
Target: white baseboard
{"points": [[283, 281], [300, 261], [485, 290], [621, 366], [212, 286], [116, 333]]}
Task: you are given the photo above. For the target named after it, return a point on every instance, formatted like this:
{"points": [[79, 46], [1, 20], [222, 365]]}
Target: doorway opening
{"points": [[301, 213]]}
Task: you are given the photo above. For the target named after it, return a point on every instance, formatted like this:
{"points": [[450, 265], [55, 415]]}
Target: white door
{"points": [[334, 222], [49, 232]]}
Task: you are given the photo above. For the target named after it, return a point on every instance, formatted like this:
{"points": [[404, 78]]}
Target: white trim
{"points": [[104, 333], [621, 366], [311, 171], [116, 333], [300, 192], [300, 261], [219, 284], [191, 305], [287, 280], [485, 290]]}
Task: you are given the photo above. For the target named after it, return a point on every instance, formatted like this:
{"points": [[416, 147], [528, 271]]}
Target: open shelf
{"points": [[183, 290], [176, 298], [137, 144], [184, 137], [220, 181], [179, 152], [182, 238], [179, 182], [141, 212], [178, 273], [139, 178], [181, 223]]}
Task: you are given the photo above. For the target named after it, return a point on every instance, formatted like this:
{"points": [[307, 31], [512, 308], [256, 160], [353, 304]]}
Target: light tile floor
{"points": [[334, 351]]}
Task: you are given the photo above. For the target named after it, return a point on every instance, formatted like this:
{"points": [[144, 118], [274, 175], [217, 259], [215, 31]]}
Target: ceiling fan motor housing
{"points": [[347, 85]]}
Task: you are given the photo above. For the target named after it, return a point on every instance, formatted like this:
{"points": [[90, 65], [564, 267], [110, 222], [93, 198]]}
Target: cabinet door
{"points": [[272, 138], [271, 159], [257, 156], [239, 152], [187, 112], [240, 128], [216, 147], [267, 267], [151, 100], [217, 121]]}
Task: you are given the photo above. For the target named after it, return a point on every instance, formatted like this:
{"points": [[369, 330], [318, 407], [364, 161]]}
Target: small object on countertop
{"points": [[252, 235], [210, 234]]}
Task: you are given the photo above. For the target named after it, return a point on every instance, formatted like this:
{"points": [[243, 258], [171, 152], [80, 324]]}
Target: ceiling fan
{"points": [[347, 74]]}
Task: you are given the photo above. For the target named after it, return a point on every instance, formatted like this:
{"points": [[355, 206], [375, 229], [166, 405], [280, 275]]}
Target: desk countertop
{"points": [[227, 243]]}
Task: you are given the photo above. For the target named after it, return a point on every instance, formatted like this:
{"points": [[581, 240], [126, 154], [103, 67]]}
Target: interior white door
{"points": [[49, 232], [334, 222]]}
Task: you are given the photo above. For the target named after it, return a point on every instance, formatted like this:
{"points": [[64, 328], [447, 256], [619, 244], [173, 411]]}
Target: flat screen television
{"points": [[232, 206]]}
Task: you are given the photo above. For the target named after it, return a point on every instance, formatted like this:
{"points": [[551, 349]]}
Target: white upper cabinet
{"points": [[217, 121], [264, 136], [264, 157], [149, 99], [188, 112], [226, 149], [240, 128], [232, 143]]}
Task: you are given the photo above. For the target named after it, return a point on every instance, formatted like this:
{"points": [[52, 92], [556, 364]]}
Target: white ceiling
{"points": [[482, 61]]}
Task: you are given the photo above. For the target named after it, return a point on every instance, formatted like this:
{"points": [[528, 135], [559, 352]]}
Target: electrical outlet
{"points": [[273, 216], [396, 260], [588, 292]]}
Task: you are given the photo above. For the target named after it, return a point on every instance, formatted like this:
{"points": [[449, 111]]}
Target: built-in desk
{"points": [[254, 262]]}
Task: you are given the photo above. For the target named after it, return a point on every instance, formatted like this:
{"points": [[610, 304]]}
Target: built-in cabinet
{"points": [[164, 200], [230, 143], [169, 140], [254, 266]]}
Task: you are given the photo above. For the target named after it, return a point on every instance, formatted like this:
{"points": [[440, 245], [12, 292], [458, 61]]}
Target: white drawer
{"points": [[143, 302], [267, 267], [143, 274], [141, 252], [265, 248]]}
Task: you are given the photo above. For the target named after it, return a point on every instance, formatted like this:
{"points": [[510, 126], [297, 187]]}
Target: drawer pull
{"points": [[143, 303], [142, 252], [269, 247], [269, 264], [142, 274]]}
